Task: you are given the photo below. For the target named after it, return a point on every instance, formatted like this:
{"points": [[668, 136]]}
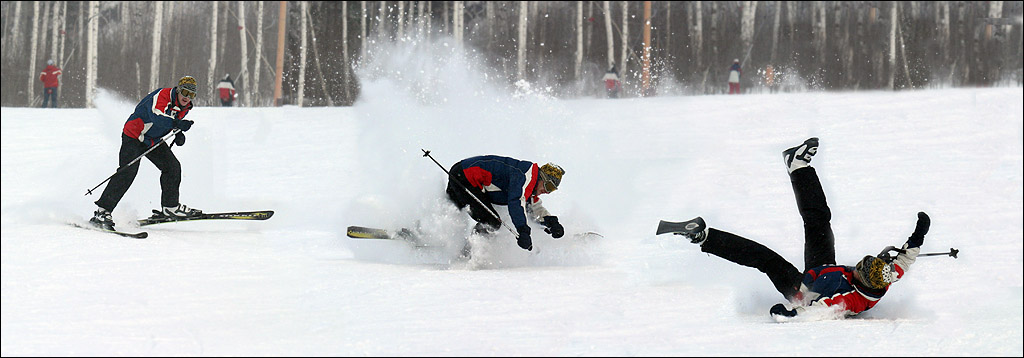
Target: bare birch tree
{"points": [[15, 48], [243, 72], [521, 44], [775, 30], [401, 20], [610, 35], [33, 75], [625, 42], [892, 44], [347, 68], [697, 38], [92, 54], [316, 59], [578, 65], [362, 27], [303, 21], [55, 32], [210, 74], [254, 86], [747, 25], [155, 41]]}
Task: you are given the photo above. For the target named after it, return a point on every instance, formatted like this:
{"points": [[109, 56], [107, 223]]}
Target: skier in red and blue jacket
{"points": [[517, 184], [850, 290], [159, 112]]}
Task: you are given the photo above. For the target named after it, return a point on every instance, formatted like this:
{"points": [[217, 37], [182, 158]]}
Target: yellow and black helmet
{"points": [[187, 87], [551, 174]]}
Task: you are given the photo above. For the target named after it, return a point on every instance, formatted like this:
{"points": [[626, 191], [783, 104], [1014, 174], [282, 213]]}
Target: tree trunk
{"points": [[457, 26], [521, 44], [892, 44], [491, 18], [382, 19], [624, 55], [344, 53], [243, 72], [33, 67], [316, 59], [747, 23], [254, 86], [589, 33], [126, 23], [210, 84], [646, 68], [775, 30], [303, 21], [820, 31], [55, 31], [698, 35], [155, 41], [282, 21], [92, 54], [942, 18], [45, 30], [578, 65], [362, 27], [608, 31], [16, 40]]}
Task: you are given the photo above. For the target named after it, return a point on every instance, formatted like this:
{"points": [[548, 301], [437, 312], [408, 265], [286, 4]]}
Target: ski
{"points": [[361, 232], [134, 235], [159, 218]]}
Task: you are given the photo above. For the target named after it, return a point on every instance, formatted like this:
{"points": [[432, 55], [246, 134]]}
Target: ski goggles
{"points": [[549, 186], [187, 92]]}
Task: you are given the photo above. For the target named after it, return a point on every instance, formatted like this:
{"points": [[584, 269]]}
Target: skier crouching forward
{"points": [[514, 183], [850, 290]]}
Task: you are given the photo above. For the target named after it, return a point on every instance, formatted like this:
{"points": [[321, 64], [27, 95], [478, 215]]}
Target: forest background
{"points": [[562, 47]]}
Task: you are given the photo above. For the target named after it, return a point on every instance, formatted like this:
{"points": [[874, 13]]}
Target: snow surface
{"points": [[296, 285]]}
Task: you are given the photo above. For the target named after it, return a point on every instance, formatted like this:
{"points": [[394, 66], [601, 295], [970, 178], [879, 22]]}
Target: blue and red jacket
{"points": [[835, 285], [155, 116], [505, 181]]}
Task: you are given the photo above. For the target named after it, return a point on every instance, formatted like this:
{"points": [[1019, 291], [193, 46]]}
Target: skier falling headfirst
{"points": [[848, 290]]}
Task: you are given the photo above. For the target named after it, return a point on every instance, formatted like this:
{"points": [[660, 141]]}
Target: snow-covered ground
{"points": [[296, 285]]}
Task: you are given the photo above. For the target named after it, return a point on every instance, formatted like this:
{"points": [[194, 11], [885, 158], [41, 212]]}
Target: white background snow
{"points": [[296, 285]]}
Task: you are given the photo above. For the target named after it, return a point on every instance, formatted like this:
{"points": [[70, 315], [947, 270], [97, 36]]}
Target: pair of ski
{"points": [[158, 218]]}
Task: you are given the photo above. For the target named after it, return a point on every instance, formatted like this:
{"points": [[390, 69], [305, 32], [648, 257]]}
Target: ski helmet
{"points": [[187, 87], [551, 174], [875, 272]]}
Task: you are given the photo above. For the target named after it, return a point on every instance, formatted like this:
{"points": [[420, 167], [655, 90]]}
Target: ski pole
{"points": [[162, 140], [885, 253], [426, 153]]}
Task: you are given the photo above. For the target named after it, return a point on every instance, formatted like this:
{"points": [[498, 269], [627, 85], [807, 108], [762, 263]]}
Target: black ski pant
{"points": [[459, 190], [162, 157], [819, 241]]}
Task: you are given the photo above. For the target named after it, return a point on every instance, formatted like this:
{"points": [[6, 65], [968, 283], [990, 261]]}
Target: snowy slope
{"points": [[295, 285]]}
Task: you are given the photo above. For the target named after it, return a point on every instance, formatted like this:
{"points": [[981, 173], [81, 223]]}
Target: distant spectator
{"points": [[226, 87], [769, 78], [612, 85], [734, 77], [51, 80]]}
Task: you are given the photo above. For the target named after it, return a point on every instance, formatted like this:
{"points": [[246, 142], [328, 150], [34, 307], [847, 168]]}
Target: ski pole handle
{"points": [[162, 140], [426, 153]]}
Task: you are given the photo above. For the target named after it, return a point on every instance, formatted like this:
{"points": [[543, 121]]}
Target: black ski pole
{"points": [[426, 153], [162, 140], [885, 253]]}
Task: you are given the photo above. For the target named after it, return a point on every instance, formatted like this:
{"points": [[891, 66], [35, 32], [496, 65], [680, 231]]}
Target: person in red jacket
{"points": [[849, 290], [226, 90], [158, 114], [51, 80]]}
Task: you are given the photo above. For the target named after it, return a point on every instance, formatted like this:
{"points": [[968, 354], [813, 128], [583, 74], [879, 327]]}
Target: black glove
{"points": [[780, 309], [524, 238], [917, 238], [179, 139], [184, 125], [553, 227]]}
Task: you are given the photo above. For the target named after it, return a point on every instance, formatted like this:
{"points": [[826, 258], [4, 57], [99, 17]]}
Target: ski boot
{"points": [[695, 229], [800, 156], [101, 219], [180, 212]]}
